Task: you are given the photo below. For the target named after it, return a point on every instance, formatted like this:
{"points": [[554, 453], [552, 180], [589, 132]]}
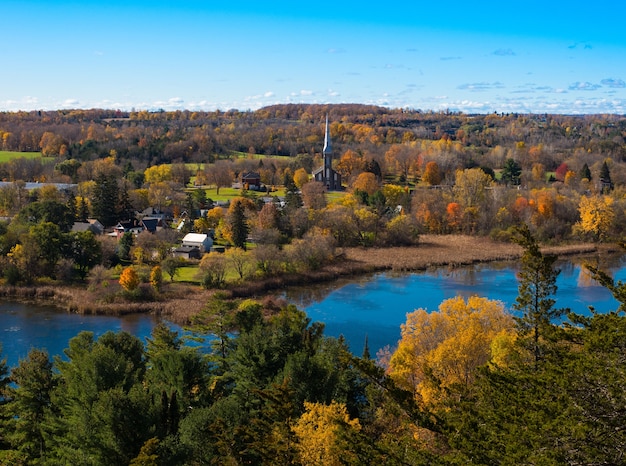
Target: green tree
{"points": [[511, 172], [537, 284], [50, 243], [104, 202], [585, 173], [171, 265], [48, 211], [105, 413], [605, 178], [124, 246], [86, 251], [31, 405], [238, 224]]}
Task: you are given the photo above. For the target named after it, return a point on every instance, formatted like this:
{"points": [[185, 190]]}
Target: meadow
{"points": [[6, 155]]}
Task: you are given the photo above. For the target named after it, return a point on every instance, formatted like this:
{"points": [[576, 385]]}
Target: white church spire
{"points": [[327, 147]]}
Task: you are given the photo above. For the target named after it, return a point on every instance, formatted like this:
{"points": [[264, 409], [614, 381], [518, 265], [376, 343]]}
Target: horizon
{"points": [[193, 55]]}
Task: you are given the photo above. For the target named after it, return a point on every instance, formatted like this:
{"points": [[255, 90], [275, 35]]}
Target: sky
{"points": [[471, 57]]}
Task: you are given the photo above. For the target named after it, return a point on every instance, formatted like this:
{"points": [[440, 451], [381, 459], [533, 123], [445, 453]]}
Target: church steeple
{"points": [[328, 150]]}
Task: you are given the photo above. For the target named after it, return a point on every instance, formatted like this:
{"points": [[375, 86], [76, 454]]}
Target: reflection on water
{"points": [[375, 306], [26, 326], [370, 306]]}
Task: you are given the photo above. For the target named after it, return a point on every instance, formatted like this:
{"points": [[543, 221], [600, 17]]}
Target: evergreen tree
{"points": [[605, 178], [585, 173], [105, 199], [31, 405], [537, 283], [238, 224], [511, 172]]}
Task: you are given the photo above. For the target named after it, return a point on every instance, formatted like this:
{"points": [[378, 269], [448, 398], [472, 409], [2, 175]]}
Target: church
{"points": [[325, 174]]}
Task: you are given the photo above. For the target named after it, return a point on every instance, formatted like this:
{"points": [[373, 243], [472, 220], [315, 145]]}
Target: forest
{"points": [[258, 382]]}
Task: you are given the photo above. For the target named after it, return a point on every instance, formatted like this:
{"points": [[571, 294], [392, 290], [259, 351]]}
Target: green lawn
{"points": [[6, 155], [185, 274]]}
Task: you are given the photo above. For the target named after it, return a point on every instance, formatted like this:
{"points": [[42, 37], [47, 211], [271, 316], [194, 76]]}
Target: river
{"points": [[371, 306]]}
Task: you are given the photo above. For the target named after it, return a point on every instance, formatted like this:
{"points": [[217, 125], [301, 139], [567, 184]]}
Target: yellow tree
{"points": [[129, 279], [350, 163], [596, 216], [318, 434], [441, 350], [367, 182], [432, 174], [300, 177]]}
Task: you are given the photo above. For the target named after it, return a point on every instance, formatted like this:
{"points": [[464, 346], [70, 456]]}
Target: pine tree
{"points": [[585, 173], [537, 283], [105, 199], [238, 224], [605, 178]]}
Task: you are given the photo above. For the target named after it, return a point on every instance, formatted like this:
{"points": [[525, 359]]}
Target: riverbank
{"points": [[178, 302], [456, 250]]}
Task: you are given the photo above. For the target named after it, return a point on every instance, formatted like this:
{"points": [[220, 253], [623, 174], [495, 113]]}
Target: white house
{"points": [[199, 240]]}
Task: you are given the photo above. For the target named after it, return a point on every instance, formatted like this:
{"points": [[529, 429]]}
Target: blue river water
{"points": [[372, 307]]}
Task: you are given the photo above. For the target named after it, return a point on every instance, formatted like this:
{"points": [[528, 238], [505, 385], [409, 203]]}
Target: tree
{"points": [[105, 412], [440, 351], [48, 211], [213, 270], [129, 279], [471, 186], [596, 216], [156, 277], [511, 172], [219, 174], [124, 246], [585, 173], [104, 199], [31, 405], [86, 251], [314, 195], [317, 430], [432, 174], [404, 158], [300, 177], [537, 283], [171, 265], [560, 172], [237, 222], [50, 243], [366, 182], [240, 261], [605, 178]]}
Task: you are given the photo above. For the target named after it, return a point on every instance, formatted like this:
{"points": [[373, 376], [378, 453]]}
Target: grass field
{"points": [[6, 155]]}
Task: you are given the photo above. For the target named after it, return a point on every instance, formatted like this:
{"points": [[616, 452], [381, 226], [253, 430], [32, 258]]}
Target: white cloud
{"points": [[481, 86], [586, 86], [614, 83]]}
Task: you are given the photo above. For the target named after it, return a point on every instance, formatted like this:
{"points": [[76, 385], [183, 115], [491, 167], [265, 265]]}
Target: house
{"points": [[187, 252], [251, 180], [132, 226], [91, 224], [150, 223], [201, 241]]}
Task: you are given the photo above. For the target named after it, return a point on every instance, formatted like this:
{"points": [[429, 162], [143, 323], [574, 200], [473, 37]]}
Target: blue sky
{"points": [[539, 57]]}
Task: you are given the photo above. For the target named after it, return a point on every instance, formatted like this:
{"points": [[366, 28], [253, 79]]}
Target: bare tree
{"points": [[219, 174]]}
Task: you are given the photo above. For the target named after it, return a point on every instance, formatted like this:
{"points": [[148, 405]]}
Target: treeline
{"points": [[152, 138], [468, 384]]}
